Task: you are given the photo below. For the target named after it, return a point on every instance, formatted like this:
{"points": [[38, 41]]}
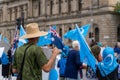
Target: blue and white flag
{"points": [[84, 30], [0, 37], [21, 33], [44, 40], [85, 52], [5, 39]]}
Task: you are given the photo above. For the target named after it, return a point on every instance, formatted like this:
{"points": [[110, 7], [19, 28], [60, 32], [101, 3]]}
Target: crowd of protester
{"points": [[69, 64]]}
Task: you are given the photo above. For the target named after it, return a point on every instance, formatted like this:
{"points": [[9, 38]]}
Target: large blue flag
{"points": [[85, 52], [21, 33], [84, 30]]}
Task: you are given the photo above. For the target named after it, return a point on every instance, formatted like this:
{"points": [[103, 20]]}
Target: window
{"points": [[21, 9], [95, 3], [79, 5], [10, 14], [118, 33], [69, 39], [1, 15], [97, 34], [60, 32], [51, 7], [15, 11], [59, 6], [39, 8], [69, 6]]}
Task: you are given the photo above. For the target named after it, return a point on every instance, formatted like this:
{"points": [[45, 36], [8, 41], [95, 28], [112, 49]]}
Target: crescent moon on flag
{"points": [[81, 30]]}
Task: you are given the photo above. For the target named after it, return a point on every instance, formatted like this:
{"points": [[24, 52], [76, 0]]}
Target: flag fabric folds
{"points": [[21, 33], [53, 75], [84, 30], [0, 37], [85, 52], [44, 40], [57, 40]]}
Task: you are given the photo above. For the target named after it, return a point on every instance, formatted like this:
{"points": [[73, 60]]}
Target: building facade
{"points": [[105, 24]]}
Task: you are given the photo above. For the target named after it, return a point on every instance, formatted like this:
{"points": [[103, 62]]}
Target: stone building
{"points": [[64, 14]]}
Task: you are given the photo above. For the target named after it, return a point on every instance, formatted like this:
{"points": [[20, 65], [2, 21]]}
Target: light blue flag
{"points": [[5, 39], [53, 75], [85, 52], [44, 40], [84, 30], [47, 39], [22, 32], [0, 37], [4, 59]]}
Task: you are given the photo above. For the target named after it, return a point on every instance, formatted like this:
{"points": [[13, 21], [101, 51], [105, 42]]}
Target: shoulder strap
{"points": [[21, 68]]}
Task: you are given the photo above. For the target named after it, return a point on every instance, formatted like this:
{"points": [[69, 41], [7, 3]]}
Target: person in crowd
{"points": [[107, 69], [101, 46], [93, 42], [73, 63], [117, 49], [10, 60], [96, 52], [62, 65], [90, 74], [5, 65], [35, 60]]}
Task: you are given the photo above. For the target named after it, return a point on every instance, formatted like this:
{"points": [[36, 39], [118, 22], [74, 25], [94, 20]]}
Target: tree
{"points": [[117, 8]]}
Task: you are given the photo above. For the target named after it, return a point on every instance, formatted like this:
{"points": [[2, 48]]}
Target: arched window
{"points": [[69, 39], [39, 8], [51, 7], [69, 5], [15, 13], [1, 14], [79, 5], [60, 32], [95, 3], [97, 34], [21, 9], [59, 6], [10, 14], [118, 33]]}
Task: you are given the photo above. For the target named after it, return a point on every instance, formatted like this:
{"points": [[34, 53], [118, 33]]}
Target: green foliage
{"points": [[117, 8]]}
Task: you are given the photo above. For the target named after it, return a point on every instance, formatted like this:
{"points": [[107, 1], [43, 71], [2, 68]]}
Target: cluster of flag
{"points": [[53, 38], [85, 52]]}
